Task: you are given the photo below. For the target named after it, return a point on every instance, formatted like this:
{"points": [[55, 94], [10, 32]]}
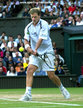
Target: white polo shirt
{"points": [[41, 30], [10, 44]]}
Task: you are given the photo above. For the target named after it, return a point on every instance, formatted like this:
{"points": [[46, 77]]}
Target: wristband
{"points": [[26, 46]]}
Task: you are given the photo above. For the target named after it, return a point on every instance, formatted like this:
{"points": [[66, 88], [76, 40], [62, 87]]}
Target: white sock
{"points": [[28, 90], [61, 86]]}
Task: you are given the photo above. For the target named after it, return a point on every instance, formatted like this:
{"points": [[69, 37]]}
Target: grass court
{"points": [[41, 98]]}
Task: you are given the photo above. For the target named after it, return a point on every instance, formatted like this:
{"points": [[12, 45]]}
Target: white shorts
{"points": [[37, 61]]}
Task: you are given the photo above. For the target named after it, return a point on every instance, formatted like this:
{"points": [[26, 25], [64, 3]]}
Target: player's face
{"points": [[35, 18]]}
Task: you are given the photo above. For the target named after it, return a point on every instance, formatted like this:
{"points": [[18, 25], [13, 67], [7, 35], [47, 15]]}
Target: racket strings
{"points": [[44, 57]]}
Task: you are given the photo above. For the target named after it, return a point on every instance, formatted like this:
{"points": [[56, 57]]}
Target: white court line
{"points": [[52, 103]]}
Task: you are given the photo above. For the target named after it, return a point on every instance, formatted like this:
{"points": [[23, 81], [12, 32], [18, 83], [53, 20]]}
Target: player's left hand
{"points": [[35, 52]]}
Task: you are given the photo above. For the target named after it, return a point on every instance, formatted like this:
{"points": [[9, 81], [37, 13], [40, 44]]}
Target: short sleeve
{"points": [[26, 34], [15, 44]]}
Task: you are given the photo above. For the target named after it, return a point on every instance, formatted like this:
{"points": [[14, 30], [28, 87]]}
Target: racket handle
{"points": [[37, 54]]}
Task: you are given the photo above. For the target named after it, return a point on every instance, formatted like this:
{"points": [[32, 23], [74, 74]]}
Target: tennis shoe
{"points": [[26, 97], [65, 93]]}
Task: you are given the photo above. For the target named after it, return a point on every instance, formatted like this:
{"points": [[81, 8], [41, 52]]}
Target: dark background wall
{"points": [[13, 26], [7, 82]]}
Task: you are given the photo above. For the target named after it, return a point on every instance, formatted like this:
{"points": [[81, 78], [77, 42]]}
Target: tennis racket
{"points": [[45, 56]]}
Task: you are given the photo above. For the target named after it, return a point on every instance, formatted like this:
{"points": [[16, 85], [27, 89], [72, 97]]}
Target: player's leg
{"points": [[29, 81], [29, 77], [56, 80]]}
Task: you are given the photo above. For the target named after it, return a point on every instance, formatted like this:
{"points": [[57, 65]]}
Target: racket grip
{"points": [[37, 54]]}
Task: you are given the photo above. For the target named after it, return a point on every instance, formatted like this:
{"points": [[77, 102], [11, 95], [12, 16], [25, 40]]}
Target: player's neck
{"points": [[35, 23]]}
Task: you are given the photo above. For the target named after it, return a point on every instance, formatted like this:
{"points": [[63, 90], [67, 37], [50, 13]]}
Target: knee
{"points": [[30, 70]]}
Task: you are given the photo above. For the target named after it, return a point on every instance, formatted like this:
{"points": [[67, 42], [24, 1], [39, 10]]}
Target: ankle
{"points": [[61, 87], [28, 90]]}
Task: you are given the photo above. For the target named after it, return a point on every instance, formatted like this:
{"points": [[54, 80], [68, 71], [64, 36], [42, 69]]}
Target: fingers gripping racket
{"points": [[46, 56]]}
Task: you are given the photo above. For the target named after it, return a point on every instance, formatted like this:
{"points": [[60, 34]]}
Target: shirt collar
{"points": [[38, 22]]}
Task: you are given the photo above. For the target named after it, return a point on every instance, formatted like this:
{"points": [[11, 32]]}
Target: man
{"points": [[37, 41], [3, 36], [11, 43]]}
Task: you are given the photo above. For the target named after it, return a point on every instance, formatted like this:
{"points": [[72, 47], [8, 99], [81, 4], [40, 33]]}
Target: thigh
{"points": [[35, 61], [50, 73]]}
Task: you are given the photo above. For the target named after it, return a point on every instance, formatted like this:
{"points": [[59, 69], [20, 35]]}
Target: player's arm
{"points": [[42, 36], [27, 47], [38, 44], [26, 41]]}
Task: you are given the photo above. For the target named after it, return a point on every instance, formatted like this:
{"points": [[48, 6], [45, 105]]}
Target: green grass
{"points": [[50, 95]]}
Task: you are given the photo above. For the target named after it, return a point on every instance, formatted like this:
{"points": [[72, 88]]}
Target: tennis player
{"points": [[37, 41]]}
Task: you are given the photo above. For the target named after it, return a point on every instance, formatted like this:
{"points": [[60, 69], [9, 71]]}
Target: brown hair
{"points": [[35, 10]]}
